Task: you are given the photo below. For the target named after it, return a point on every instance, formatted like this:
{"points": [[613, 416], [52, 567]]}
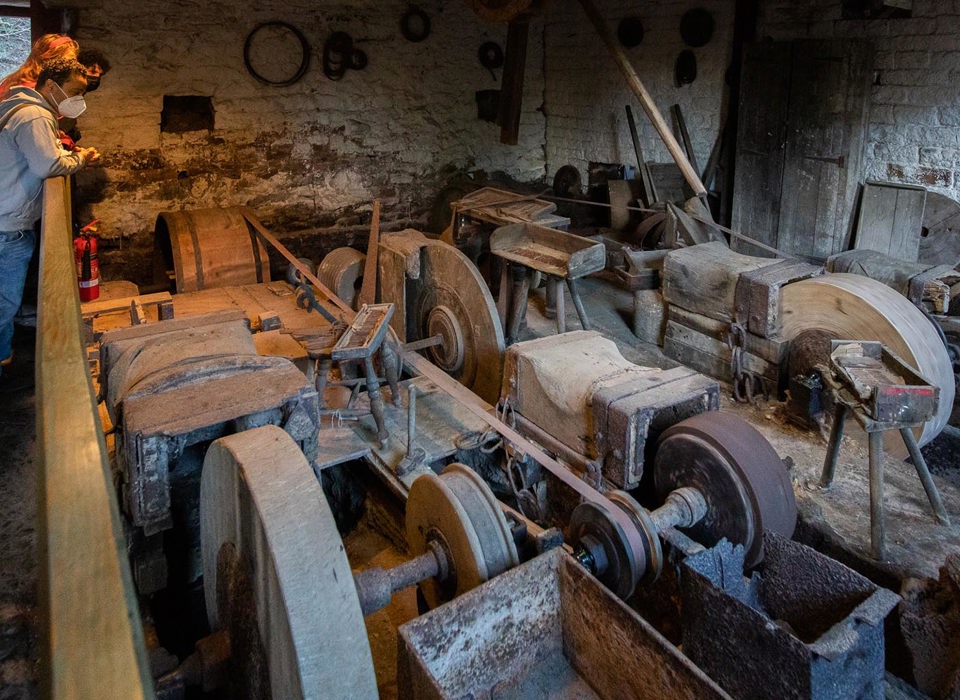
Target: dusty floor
{"points": [[18, 513], [916, 544]]}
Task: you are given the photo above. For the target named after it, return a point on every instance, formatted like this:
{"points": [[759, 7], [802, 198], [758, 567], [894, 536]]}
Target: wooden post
{"points": [[511, 91], [633, 81], [368, 288]]}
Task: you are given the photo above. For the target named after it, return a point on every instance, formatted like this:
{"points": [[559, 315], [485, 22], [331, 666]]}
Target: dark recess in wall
{"points": [[186, 113]]}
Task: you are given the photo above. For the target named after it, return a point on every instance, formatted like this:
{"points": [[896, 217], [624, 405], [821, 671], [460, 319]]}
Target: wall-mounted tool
{"points": [[490, 56]]}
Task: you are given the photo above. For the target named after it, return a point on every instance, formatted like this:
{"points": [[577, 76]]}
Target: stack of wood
{"points": [[717, 300]]}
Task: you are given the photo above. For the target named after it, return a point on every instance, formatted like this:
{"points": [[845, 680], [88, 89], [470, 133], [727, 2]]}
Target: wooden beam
{"points": [[646, 101], [511, 91], [93, 642]]}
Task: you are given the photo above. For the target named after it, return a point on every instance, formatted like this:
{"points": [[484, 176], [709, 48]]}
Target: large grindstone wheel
{"points": [[276, 575], [341, 271], [457, 510], [741, 477], [453, 301], [852, 307]]}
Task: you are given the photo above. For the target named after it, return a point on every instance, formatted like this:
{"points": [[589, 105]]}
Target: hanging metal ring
{"points": [[304, 53]]}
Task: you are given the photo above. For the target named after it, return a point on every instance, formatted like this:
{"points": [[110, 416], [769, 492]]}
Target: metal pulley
{"points": [[718, 477]]}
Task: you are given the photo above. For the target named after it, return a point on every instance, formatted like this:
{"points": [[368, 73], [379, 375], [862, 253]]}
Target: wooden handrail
{"points": [[93, 645]]}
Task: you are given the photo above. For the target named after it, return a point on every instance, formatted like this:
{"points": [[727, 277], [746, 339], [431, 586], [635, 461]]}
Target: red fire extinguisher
{"points": [[85, 255]]}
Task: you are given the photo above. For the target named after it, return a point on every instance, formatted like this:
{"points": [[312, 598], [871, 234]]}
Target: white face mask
{"points": [[71, 107]]}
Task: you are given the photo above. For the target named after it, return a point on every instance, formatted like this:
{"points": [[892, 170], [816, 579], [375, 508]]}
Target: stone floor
{"points": [[18, 513]]}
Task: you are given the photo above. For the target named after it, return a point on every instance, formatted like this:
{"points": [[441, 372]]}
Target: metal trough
{"points": [[806, 626], [546, 629]]}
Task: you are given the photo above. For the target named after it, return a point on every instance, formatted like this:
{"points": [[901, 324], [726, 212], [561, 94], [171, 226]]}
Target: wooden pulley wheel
{"points": [[276, 575], [453, 301], [458, 510], [341, 271], [739, 474], [852, 307], [501, 10]]}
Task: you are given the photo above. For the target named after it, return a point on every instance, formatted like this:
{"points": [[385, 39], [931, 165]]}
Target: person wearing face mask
{"points": [[30, 152], [95, 66]]}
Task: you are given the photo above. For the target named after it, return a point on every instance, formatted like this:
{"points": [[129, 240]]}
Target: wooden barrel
{"points": [[207, 248]]}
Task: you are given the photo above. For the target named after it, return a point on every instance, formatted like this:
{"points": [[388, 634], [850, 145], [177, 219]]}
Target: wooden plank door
{"points": [[823, 128], [761, 135]]}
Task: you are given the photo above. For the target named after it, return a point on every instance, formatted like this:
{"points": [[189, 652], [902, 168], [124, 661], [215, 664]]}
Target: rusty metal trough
{"points": [[814, 620], [544, 629]]}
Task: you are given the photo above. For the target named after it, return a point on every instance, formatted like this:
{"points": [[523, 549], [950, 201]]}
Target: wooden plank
{"points": [[772, 350], [368, 288], [105, 306], [511, 90], [711, 356], [646, 101], [761, 133], [823, 154], [92, 640], [891, 219]]}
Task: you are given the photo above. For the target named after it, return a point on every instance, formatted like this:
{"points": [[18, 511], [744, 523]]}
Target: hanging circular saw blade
{"points": [[852, 307], [452, 300]]}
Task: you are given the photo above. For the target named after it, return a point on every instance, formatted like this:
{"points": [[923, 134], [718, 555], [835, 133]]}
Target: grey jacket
{"points": [[30, 152]]}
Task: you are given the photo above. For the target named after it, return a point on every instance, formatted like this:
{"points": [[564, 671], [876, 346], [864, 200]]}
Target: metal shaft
{"points": [[684, 507], [877, 528], [375, 586], [833, 448], [411, 417]]}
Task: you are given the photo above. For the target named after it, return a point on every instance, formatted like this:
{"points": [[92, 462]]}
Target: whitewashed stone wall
{"points": [[586, 93], [914, 132], [305, 155]]}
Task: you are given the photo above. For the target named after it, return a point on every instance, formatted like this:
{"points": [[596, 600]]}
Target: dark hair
{"points": [[59, 71], [94, 57]]}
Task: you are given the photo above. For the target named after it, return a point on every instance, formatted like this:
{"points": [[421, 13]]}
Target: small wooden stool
{"points": [[883, 393]]}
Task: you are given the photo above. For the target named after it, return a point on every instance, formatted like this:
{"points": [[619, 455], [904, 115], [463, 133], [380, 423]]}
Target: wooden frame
{"points": [[92, 640]]}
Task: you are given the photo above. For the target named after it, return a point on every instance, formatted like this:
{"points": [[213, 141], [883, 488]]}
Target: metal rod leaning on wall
{"points": [[633, 81], [92, 639]]}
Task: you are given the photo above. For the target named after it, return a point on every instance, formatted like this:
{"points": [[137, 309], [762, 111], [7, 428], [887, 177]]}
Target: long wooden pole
{"points": [[633, 80]]}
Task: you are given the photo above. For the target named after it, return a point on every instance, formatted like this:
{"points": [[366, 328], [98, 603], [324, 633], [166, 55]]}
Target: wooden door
{"points": [[803, 119]]}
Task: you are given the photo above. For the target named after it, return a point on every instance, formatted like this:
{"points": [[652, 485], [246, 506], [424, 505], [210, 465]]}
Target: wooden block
{"points": [[933, 287], [891, 218], [773, 350], [879, 266], [703, 278], [758, 294], [711, 356], [649, 315], [111, 305]]}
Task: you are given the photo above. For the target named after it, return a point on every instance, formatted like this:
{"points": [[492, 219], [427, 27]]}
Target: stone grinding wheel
{"points": [[458, 509], [453, 301], [276, 575], [745, 484], [341, 271], [852, 307]]}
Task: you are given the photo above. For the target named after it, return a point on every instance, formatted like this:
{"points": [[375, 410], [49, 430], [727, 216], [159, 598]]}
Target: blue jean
{"points": [[16, 248]]}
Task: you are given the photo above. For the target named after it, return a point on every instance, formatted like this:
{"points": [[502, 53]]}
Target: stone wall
{"points": [[316, 153], [313, 154], [586, 93], [914, 133]]}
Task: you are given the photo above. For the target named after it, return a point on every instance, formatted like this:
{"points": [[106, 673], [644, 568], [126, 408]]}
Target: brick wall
{"points": [[914, 133], [311, 154]]}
